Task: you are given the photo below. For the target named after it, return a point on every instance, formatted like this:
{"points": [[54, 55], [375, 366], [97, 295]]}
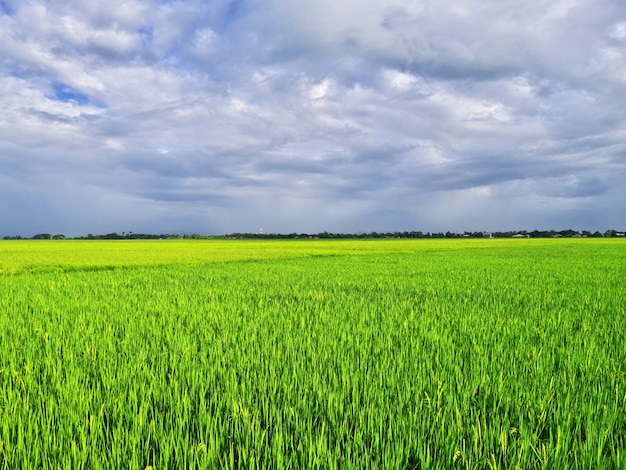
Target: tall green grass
{"points": [[313, 354]]}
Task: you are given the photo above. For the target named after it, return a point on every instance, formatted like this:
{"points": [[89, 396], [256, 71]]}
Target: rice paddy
{"points": [[392, 354]]}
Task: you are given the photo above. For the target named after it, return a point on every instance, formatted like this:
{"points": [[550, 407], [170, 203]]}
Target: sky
{"points": [[222, 116]]}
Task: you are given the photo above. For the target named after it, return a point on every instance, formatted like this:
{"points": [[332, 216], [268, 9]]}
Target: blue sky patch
{"points": [[234, 10], [68, 94], [63, 92], [146, 34], [5, 8]]}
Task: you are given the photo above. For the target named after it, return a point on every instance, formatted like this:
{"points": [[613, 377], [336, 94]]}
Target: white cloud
{"points": [[618, 31]]}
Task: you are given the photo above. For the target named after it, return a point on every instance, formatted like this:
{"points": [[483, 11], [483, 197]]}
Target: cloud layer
{"points": [[223, 116]]}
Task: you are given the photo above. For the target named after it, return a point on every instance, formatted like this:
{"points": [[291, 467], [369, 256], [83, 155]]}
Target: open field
{"points": [[313, 354]]}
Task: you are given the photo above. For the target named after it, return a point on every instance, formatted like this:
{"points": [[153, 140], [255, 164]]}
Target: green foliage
{"points": [[313, 354]]}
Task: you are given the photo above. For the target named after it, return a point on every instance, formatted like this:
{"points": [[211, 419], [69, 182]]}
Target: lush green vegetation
{"points": [[313, 354]]}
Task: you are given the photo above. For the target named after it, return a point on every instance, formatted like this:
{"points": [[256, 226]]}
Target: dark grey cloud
{"points": [[231, 115]]}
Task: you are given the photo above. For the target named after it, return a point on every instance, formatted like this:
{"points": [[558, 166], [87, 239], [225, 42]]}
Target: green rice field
{"points": [[305, 354]]}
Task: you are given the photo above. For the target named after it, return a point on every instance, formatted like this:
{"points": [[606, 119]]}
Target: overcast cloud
{"points": [[165, 116]]}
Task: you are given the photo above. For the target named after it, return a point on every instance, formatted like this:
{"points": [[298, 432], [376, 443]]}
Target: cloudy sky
{"points": [[216, 116]]}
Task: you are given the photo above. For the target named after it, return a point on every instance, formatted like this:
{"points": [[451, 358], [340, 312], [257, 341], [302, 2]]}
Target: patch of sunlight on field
{"points": [[36, 255]]}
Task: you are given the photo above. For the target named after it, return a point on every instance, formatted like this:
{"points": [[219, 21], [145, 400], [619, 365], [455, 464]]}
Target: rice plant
{"points": [[313, 354]]}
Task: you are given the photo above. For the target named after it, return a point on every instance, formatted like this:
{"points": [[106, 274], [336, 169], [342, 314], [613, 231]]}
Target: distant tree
{"points": [[42, 236]]}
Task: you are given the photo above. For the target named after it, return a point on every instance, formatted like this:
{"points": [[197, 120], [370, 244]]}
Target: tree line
{"points": [[419, 234], [325, 235]]}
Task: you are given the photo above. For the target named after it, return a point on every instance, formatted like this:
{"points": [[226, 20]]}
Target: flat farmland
{"points": [[313, 354]]}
